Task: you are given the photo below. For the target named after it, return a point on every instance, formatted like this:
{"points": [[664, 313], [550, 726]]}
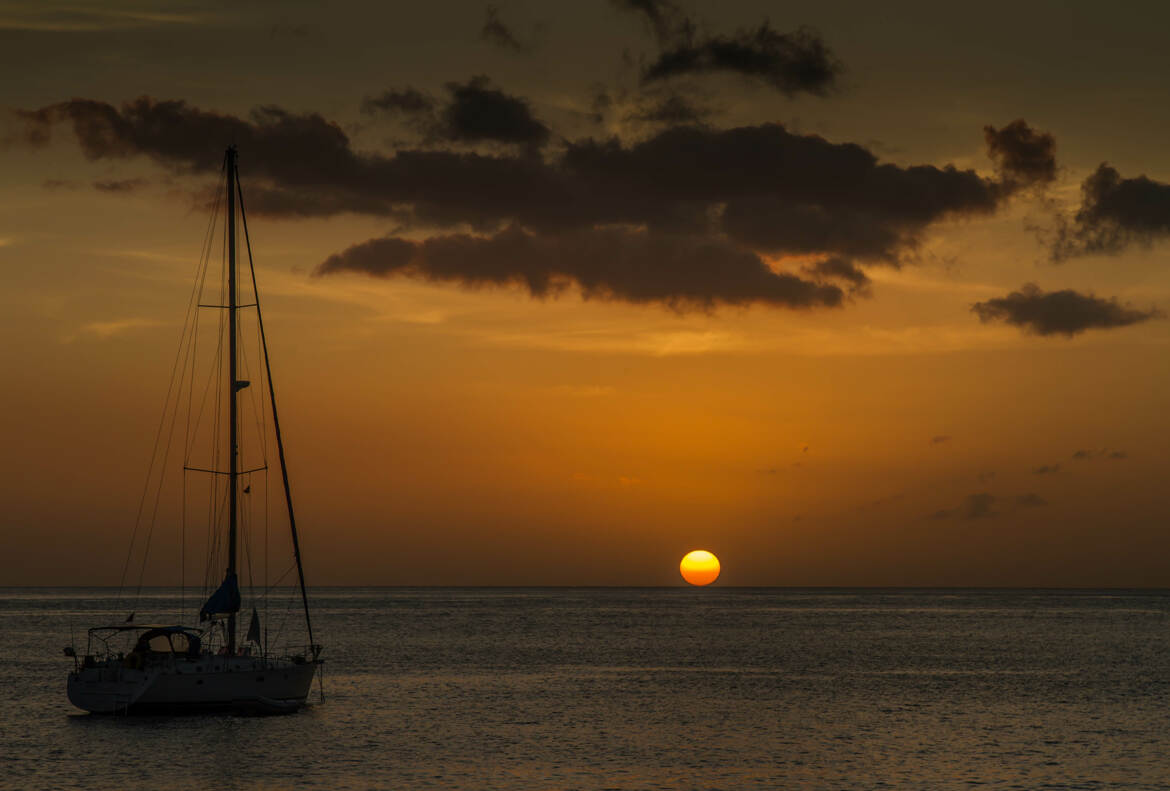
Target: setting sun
{"points": [[699, 567]]}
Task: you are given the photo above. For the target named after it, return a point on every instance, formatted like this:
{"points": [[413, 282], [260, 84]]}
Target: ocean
{"points": [[661, 688]]}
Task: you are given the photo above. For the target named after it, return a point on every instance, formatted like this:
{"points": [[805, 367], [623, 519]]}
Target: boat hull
{"points": [[241, 685]]}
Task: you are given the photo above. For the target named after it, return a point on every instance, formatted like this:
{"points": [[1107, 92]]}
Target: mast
{"points": [[233, 465], [292, 522]]}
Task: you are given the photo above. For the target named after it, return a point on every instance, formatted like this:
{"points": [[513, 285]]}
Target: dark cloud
{"points": [[614, 264], [982, 506], [664, 18], [1064, 312], [1115, 213], [977, 506], [670, 110], [940, 439], [984, 477], [842, 270], [496, 32], [408, 101], [791, 63], [1021, 152], [295, 149], [738, 194], [974, 506], [784, 192], [1030, 500], [478, 112], [475, 112], [1046, 469], [1100, 453]]}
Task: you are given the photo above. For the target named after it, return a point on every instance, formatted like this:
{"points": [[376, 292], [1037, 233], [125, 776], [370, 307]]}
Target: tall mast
{"points": [[233, 451], [292, 522]]}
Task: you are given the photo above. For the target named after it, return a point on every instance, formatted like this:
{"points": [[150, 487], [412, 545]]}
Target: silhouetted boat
{"points": [[132, 668]]}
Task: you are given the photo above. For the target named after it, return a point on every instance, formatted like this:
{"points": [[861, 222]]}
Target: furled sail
{"points": [[225, 600]]}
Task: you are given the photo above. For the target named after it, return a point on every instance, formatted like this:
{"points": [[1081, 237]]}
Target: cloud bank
{"points": [[742, 199]]}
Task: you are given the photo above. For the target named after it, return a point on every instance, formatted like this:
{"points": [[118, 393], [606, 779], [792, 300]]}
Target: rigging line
{"points": [[245, 528], [267, 487], [201, 281], [292, 524], [215, 539], [288, 606], [214, 536], [216, 371], [191, 320], [189, 368], [280, 579], [208, 388], [256, 412], [190, 432], [154, 451]]}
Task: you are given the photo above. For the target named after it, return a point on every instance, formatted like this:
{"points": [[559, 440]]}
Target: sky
{"points": [[846, 293]]}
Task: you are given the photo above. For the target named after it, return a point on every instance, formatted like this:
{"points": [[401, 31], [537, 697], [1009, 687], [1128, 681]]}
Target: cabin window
{"points": [[160, 643]]}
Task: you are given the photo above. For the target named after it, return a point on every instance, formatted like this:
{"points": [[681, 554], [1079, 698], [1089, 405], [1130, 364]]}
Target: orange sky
{"points": [[446, 434]]}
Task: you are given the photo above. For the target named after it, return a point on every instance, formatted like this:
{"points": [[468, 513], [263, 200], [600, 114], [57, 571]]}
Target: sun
{"points": [[699, 567]]}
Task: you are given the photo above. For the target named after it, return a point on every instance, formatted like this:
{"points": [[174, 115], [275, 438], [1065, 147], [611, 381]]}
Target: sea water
{"points": [[716, 688]]}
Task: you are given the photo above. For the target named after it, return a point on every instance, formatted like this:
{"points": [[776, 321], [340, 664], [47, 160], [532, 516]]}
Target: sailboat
{"points": [[131, 668]]}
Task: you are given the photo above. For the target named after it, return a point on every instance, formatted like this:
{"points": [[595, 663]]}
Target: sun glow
{"points": [[699, 567]]}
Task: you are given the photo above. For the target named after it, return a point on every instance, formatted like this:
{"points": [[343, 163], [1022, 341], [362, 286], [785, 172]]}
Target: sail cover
{"points": [[226, 599]]}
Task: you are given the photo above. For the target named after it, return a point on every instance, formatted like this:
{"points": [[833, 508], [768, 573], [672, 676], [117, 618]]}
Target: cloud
{"points": [[1115, 213], [982, 504], [670, 110], [407, 101], [1064, 312], [1022, 153], [781, 192], [684, 272], [737, 196], [1100, 453], [474, 112], [1030, 500], [496, 32], [791, 63], [840, 269], [940, 439], [974, 506], [663, 17], [1046, 469]]}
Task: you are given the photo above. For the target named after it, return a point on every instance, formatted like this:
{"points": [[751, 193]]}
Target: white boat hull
{"points": [[205, 683]]}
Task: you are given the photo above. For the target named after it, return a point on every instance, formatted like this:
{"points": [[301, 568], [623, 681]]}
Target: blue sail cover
{"points": [[226, 599]]}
